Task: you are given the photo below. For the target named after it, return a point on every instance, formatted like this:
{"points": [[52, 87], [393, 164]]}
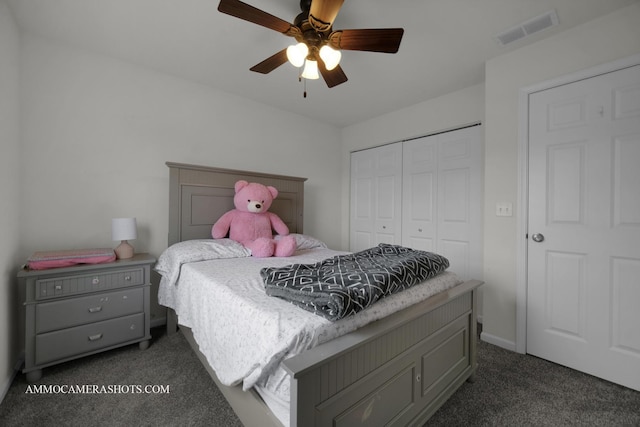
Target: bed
{"points": [[396, 370]]}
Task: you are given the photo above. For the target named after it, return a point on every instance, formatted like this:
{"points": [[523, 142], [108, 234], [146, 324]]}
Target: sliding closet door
{"points": [[376, 187], [442, 197]]}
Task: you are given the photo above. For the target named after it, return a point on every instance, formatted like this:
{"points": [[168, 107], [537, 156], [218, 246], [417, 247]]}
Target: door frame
{"points": [[522, 204]]}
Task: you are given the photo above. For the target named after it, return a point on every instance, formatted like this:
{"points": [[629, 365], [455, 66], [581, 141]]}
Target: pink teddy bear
{"points": [[251, 225]]}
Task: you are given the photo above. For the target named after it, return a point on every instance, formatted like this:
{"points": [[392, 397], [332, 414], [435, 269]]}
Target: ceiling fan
{"points": [[318, 45]]}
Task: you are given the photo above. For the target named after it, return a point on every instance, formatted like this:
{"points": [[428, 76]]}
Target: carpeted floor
{"points": [[511, 389], [193, 398]]}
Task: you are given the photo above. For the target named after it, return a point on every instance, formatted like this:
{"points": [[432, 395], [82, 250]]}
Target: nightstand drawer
{"points": [[64, 343], [78, 284], [66, 313]]}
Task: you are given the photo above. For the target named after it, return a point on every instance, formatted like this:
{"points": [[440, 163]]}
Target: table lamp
{"points": [[123, 229]]}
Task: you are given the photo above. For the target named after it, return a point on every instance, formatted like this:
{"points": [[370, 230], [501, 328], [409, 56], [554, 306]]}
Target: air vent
{"points": [[528, 28]]}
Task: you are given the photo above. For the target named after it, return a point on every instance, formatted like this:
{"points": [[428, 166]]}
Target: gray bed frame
{"points": [[396, 371]]}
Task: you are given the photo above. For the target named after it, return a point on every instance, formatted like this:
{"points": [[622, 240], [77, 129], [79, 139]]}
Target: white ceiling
{"points": [[445, 46]]}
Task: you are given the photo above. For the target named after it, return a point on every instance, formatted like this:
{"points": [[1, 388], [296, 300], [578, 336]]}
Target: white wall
{"points": [[608, 38], [96, 133], [9, 194]]}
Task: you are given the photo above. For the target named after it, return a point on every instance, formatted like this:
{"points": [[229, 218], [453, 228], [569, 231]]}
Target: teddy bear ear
{"points": [[240, 185], [273, 191]]}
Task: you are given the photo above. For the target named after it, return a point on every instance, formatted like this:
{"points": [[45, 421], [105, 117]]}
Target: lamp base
{"points": [[124, 250]]}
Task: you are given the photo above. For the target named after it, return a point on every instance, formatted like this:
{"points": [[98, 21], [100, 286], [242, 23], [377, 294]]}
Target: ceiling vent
{"points": [[528, 28]]}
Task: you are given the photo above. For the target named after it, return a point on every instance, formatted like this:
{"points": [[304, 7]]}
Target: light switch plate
{"points": [[504, 209]]}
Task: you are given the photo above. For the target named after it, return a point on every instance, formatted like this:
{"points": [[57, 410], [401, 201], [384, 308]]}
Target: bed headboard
{"points": [[199, 195]]}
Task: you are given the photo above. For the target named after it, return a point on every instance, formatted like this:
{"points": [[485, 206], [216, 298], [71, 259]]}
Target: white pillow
{"points": [[174, 256]]}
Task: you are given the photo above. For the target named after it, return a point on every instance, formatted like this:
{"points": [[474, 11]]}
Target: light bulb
{"points": [[330, 56], [296, 54], [310, 70]]}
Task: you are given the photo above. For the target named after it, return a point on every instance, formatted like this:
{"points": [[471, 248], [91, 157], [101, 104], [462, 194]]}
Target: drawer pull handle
{"points": [[95, 337], [96, 280], [95, 309], [127, 278]]}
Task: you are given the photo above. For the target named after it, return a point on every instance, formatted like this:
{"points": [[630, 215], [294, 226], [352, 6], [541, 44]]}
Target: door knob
{"points": [[537, 237]]}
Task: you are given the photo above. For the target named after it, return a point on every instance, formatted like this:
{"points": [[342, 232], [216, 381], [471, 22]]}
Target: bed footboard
{"points": [[397, 372]]}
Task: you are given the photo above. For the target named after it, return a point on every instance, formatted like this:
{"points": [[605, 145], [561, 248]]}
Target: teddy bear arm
{"points": [[278, 225], [221, 228]]}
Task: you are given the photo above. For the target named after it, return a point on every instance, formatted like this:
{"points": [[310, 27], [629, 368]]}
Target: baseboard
{"points": [[158, 321], [500, 342], [7, 383]]}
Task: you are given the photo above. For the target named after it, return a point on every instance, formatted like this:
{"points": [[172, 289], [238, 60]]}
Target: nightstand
{"points": [[76, 311]]}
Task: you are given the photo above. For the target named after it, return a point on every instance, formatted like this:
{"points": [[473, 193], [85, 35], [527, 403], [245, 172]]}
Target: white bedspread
{"points": [[245, 334]]}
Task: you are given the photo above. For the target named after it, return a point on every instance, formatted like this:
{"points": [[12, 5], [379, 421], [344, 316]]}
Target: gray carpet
{"points": [[193, 398], [521, 390], [510, 390]]}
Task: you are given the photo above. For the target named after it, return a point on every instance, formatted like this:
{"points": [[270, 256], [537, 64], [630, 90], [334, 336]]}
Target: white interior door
{"points": [[583, 267]]}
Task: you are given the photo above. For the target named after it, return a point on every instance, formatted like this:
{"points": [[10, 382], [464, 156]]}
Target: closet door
{"points": [[420, 191], [376, 188], [442, 197], [460, 195]]}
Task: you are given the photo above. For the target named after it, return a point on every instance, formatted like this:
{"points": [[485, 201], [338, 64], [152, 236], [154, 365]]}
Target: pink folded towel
{"points": [[55, 259]]}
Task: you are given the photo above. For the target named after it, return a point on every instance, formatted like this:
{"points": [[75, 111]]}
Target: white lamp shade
{"points": [[123, 229], [310, 70], [296, 54], [330, 56]]}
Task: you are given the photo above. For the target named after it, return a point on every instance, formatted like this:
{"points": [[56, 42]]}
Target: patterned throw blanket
{"points": [[343, 285]]}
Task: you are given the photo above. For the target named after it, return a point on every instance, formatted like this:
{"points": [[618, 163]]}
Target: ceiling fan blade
{"points": [[332, 78], [271, 63], [386, 40], [249, 13], [323, 13]]}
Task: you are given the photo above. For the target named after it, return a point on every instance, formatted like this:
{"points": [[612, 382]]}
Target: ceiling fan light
{"points": [[296, 54], [330, 56], [310, 70]]}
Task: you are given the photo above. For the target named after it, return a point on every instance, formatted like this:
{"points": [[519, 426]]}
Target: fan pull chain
{"points": [[304, 94]]}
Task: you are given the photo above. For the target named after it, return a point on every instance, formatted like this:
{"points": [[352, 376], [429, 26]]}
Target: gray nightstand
{"points": [[76, 311]]}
